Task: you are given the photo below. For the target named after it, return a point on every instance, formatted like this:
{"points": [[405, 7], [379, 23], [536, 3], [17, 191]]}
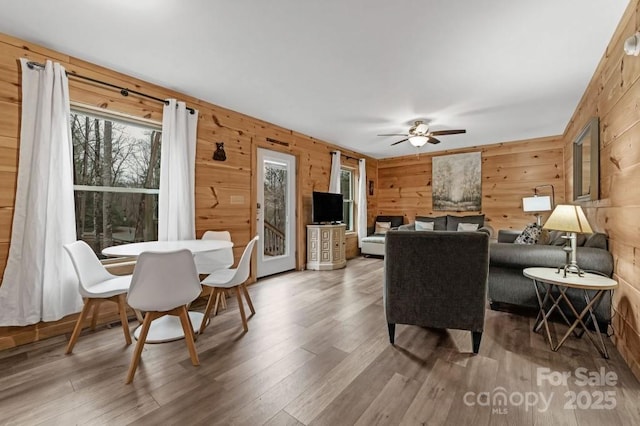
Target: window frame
{"points": [[98, 113], [351, 225]]}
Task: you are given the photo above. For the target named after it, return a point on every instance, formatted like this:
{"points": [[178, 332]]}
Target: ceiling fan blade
{"points": [[395, 134], [433, 140], [403, 140], [446, 132]]}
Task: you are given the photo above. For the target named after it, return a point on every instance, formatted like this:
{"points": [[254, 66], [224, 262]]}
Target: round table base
{"points": [[168, 328]]}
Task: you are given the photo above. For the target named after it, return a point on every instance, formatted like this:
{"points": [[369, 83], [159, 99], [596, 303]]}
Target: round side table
{"points": [[546, 279]]}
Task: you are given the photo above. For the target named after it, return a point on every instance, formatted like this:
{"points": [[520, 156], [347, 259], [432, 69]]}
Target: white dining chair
{"points": [[164, 284], [207, 263], [224, 279], [96, 284]]}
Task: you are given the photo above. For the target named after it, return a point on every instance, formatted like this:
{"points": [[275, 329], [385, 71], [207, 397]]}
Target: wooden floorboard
{"points": [[317, 353]]}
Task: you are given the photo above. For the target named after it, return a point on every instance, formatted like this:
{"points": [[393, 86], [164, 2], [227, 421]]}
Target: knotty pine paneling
{"points": [[510, 171], [225, 191], [613, 95]]}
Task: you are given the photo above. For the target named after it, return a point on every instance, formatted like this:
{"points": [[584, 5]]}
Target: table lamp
{"points": [[537, 204], [570, 219]]}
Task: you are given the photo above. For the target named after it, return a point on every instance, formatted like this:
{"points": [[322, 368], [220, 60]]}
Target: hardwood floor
{"points": [[317, 353]]}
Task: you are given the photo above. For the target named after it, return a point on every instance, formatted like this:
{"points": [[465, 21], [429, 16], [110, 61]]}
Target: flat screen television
{"points": [[326, 207]]}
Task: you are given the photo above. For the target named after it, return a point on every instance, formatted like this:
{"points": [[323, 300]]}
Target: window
{"points": [[346, 188], [116, 165]]}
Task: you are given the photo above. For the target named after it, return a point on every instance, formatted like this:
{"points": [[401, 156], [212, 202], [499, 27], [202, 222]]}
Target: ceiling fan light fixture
{"points": [[418, 141], [421, 127]]}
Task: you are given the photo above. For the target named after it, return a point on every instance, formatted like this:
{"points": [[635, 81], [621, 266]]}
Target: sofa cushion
{"points": [[530, 234], [374, 239], [597, 240], [518, 256], [439, 223], [453, 221], [382, 228]]}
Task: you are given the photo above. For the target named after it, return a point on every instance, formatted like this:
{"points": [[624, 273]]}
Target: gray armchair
{"points": [[436, 279]]}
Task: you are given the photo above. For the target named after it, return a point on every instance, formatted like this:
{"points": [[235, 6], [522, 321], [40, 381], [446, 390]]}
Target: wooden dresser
{"points": [[326, 247]]}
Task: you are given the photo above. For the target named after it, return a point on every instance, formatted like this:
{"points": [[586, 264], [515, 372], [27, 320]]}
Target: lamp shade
{"points": [[568, 218], [417, 141], [536, 204]]}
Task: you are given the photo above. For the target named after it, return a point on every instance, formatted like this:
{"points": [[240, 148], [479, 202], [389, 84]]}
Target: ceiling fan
{"points": [[419, 134]]}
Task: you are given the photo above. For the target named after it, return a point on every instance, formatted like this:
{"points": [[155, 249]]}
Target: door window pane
{"points": [[275, 208]]}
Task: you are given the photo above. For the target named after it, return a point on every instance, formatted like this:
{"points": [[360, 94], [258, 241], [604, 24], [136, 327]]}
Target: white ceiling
{"points": [[345, 70]]}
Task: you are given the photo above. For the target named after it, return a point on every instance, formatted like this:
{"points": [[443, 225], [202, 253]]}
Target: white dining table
{"points": [[168, 327]]}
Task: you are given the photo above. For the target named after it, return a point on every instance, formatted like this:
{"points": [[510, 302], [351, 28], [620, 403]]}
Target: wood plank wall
{"points": [[216, 182], [613, 95], [510, 171]]}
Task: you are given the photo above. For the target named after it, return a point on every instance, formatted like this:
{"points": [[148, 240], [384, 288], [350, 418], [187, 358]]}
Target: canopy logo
{"points": [[499, 400], [594, 398]]}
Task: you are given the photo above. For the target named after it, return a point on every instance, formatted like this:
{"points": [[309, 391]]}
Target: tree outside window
{"points": [[116, 167], [347, 190]]}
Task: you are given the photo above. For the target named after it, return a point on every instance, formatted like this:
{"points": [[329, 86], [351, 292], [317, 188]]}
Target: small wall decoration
{"points": [[457, 182], [586, 159], [219, 154], [371, 187]]}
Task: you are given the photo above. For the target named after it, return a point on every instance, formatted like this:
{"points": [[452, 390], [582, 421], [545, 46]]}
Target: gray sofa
{"points": [[436, 279], [508, 286], [373, 244], [450, 223]]}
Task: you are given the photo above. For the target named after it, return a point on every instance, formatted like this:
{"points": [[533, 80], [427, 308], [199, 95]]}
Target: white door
{"points": [[276, 212]]}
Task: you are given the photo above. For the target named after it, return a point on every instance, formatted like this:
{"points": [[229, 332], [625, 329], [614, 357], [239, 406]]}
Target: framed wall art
{"points": [[457, 182]]}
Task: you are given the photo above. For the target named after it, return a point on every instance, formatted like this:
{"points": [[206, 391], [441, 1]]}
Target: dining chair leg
{"points": [[187, 327], [219, 296], [88, 304], [94, 316], [223, 298], [241, 307], [122, 308], [139, 316], [207, 310], [246, 296], [149, 316]]}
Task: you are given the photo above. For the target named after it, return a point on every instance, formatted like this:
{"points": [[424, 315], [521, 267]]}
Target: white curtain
{"points": [[334, 179], [362, 201], [39, 282], [176, 201]]}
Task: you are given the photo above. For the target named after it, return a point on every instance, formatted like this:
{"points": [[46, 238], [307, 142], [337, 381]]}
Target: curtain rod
{"points": [[348, 157], [123, 90]]}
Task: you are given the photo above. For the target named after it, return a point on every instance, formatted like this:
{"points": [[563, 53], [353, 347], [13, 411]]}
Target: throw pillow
{"points": [[439, 223], [544, 238], [395, 220], [467, 227], [382, 227], [530, 234], [557, 239], [424, 226], [581, 239]]}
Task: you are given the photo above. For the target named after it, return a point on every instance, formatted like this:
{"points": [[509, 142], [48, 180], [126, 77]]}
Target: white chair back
{"points": [[87, 265], [163, 281], [244, 266], [206, 263]]}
